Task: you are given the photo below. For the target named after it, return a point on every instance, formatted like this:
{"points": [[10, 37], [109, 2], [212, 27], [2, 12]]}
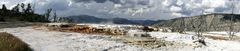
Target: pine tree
{"points": [[4, 11], [29, 9], [4, 7], [16, 8], [23, 7]]}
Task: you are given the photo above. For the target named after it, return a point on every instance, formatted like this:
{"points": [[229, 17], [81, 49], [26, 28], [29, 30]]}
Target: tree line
{"points": [[26, 13]]}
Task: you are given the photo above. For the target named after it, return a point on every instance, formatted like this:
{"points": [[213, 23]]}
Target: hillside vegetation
{"points": [[21, 12], [214, 22], [9, 42]]}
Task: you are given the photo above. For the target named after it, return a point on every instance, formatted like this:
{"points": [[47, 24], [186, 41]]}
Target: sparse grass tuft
{"points": [[217, 37], [9, 42]]}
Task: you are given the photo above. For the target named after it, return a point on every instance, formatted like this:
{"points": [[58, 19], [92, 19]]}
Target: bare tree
{"points": [[232, 29], [47, 14], [55, 16], [199, 26]]}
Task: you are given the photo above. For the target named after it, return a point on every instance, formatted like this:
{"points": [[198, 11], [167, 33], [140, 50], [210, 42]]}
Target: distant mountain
{"points": [[87, 19], [93, 19], [123, 21], [147, 22]]}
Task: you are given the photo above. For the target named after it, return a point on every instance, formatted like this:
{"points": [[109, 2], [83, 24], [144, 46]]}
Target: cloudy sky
{"points": [[131, 9]]}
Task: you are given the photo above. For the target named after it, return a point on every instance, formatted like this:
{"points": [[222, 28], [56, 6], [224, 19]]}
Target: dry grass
{"points": [[10, 43], [217, 37], [14, 24]]}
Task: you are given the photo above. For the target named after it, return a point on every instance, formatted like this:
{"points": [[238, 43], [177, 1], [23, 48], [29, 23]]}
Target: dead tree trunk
{"points": [[232, 29], [198, 24]]}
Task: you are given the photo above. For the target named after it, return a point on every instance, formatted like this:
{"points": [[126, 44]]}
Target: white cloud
{"points": [[214, 3], [175, 8], [179, 2], [4, 2], [132, 9], [167, 3]]}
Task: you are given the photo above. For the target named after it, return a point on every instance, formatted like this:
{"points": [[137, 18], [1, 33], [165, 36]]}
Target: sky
{"points": [[131, 9]]}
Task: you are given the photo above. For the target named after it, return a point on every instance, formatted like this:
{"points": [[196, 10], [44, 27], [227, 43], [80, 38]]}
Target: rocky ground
{"points": [[43, 40], [40, 39]]}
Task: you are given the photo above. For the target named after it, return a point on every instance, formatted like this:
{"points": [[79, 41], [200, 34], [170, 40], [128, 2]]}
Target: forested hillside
{"points": [[216, 21]]}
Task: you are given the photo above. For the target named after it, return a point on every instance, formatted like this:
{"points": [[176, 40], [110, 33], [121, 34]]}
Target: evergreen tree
{"points": [[16, 8], [29, 9], [4, 7], [4, 11], [22, 12], [23, 7]]}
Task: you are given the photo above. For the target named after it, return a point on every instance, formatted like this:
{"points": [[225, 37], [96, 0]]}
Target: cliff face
{"points": [[210, 21]]}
